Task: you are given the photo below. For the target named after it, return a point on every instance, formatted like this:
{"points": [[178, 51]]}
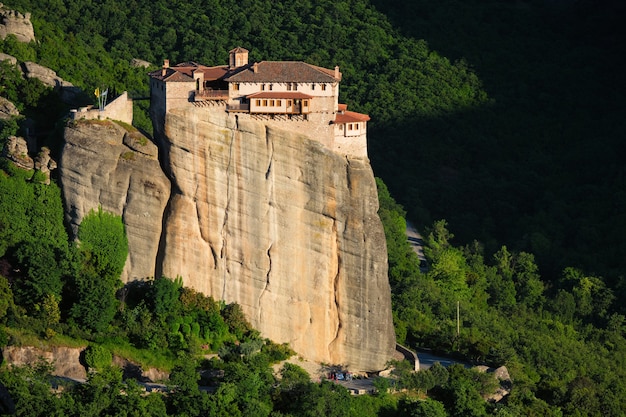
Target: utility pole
{"points": [[458, 320]]}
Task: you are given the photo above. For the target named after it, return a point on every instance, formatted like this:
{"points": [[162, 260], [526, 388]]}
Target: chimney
{"points": [[255, 68], [337, 71]]}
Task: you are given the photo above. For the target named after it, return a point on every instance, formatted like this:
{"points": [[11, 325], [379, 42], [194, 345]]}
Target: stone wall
{"points": [[119, 109], [351, 145]]}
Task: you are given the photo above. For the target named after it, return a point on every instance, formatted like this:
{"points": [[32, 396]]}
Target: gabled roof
{"points": [[280, 94], [169, 74], [238, 50], [184, 71], [286, 72]]}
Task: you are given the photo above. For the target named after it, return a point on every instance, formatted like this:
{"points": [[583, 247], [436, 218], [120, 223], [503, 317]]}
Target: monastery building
{"points": [[290, 95]]}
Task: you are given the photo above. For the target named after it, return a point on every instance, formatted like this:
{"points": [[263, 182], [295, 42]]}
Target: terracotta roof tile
{"points": [[287, 71], [350, 117], [183, 72]]}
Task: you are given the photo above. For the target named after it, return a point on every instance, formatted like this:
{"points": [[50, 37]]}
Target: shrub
{"points": [[98, 357]]}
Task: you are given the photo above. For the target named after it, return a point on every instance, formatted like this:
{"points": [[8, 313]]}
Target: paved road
{"points": [[427, 360], [417, 243]]}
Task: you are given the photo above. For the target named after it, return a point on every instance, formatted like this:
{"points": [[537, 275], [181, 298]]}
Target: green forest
{"points": [[495, 129]]}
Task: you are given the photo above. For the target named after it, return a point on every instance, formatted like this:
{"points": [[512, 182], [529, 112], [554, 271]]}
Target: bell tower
{"points": [[238, 57]]}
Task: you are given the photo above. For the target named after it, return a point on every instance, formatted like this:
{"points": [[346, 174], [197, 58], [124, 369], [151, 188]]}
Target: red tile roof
{"points": [[350, 117], [284, 71], [279, 94], [183, 72], [266, 71]]}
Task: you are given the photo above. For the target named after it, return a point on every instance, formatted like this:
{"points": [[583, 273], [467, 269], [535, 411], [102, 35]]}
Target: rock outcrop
{"points": [[65, 360], [139, 63], [266, 218], [16, 23], [288, 229], [7, 109], [68, 93], [16, 151], [102, 164], [505, 383]]}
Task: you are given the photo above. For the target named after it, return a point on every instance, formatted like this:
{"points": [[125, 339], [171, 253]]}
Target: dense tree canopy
{"points": [[512, 114]]}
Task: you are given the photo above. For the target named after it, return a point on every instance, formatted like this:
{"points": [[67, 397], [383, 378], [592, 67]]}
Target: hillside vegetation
{"points": [[505, 119]]}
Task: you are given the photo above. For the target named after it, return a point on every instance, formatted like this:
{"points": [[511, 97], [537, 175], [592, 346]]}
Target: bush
{"points": [[98, 357]]}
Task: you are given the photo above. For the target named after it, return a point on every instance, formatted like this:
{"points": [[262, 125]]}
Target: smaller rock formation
{"points": [[16, 151], [504, 380], [65, 360], [15, 23], [6, 57], [139, 63], [103, 164], [7, 109], [44, 163], [68, 92], [47, 76]]}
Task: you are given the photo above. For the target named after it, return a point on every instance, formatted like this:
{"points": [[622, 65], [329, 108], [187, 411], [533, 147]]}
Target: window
{"points": [[289, 103], [262, 87], [305, 103], [258, 103], [349, 126], [279, 103], [312, 86], [323, 87], [295, 86], [271, 87], [288, 86], [264, 103], [271, 103], [236, 86]]}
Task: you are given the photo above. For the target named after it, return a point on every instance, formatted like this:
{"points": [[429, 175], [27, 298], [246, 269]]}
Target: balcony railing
{"points": [[211, 95]]}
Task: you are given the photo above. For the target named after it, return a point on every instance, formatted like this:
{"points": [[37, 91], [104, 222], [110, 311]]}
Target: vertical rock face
{"points": [[104, 165], [286, 228], [269, 219]]}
